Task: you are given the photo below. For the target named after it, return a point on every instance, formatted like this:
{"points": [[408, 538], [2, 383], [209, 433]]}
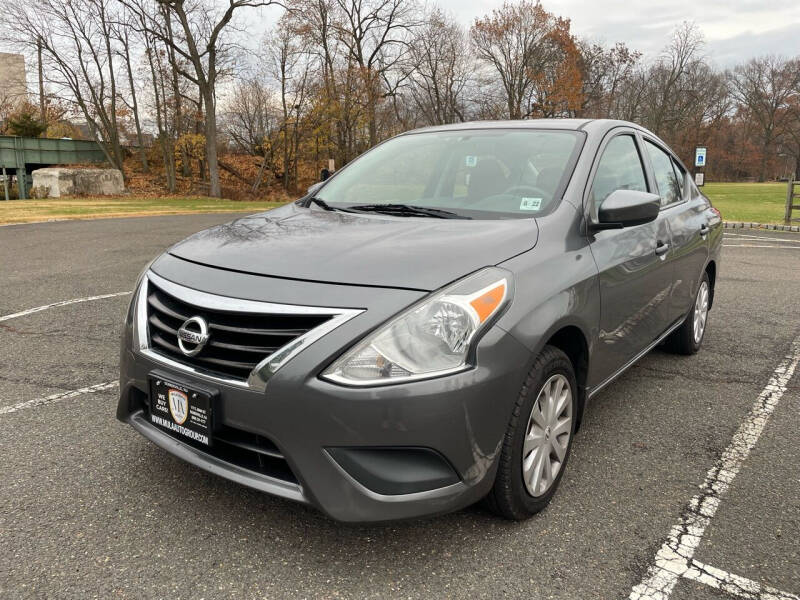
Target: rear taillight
{"points": [[716, 212]]}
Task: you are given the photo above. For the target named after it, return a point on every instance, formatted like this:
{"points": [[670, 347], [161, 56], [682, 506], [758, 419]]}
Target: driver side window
{"points": [[620, 168]]}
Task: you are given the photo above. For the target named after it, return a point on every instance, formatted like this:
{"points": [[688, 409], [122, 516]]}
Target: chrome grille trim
{"points": [[258, 377]]}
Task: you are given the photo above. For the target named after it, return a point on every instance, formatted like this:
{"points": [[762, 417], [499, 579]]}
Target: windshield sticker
{"points": [[471, 161], [530, 204]]}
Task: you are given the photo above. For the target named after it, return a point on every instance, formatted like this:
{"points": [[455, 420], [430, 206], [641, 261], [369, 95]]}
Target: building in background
{"points": [[13, 84]]}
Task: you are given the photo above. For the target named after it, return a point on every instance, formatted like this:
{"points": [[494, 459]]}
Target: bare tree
{"points": [[291, 71], [764, 87], [155, 66], [604, 71], [122, 32], [678, 96], [201, 45], [514, 42], [339, 91], [376, 34], [439, 69], [77, 49], [251, 116], [668, 81]]}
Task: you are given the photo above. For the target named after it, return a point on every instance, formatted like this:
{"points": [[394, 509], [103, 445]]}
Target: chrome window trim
{"points": [[262, 372]]}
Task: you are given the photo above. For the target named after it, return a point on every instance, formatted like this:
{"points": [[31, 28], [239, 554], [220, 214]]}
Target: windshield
{"points": [[483, 174]]}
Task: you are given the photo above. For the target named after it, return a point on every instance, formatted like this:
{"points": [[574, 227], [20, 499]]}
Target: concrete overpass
{"points": [[20, 156]]}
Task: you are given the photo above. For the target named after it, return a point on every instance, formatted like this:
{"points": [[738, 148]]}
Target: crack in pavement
{"points": [[62, 334], [666, 375]]}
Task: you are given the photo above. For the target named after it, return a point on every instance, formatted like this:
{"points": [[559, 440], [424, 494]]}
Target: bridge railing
{"points": [[17, 153]]}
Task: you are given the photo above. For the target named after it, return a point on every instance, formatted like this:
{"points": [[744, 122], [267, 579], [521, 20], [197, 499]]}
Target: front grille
{"points": [[246, 450], [237, 342]]}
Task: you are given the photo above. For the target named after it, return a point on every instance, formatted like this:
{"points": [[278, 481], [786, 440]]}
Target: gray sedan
{"points": [[424, 329]]}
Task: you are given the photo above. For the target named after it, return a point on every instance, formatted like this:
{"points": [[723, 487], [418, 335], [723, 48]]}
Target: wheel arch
{"points": [[711, 271], [572, 341]]}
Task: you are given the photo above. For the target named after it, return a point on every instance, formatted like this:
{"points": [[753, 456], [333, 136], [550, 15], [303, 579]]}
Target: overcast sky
{"points": [[734, 30]]}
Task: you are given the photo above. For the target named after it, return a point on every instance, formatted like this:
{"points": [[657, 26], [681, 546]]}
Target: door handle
{"points": [[704, 229], [661, 248]]}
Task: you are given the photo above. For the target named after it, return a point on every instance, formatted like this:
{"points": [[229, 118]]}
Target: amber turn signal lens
{"points": [[488, 301]]}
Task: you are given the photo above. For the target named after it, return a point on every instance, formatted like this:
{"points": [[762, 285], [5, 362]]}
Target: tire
{"points": [[511, 496], [684, 339]]}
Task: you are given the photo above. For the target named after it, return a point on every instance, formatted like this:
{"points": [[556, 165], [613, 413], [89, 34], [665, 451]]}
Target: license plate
{"points": [[181, 409]]}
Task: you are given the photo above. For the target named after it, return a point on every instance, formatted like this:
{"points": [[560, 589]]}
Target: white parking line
{"points": [[674, 559], [735, 585], [36, 309], [761, 237], [760, 246], [99, 387]]}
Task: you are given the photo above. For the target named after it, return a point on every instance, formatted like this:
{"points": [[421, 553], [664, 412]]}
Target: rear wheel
{"points": [[538, 439], [688, 338]]}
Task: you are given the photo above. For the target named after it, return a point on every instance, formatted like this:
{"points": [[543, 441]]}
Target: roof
{"points": [[593, 125]]}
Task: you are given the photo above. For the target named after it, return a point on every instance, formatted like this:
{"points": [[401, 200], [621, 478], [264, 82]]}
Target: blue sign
{"points": [[700, 156]]}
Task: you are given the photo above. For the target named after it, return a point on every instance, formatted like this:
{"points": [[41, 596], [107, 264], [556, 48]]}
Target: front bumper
{"points": [[460, 418]]}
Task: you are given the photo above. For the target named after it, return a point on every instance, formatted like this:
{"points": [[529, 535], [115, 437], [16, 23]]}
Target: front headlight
{"points": [[429, 339], [137, 310]]}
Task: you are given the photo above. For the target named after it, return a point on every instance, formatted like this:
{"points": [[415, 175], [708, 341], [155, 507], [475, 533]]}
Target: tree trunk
{"points": [[135, 108], [215, 190], [198, 129], [163, 136], [762, 167], [114, 125], [373, 124], [186, 168], [42, 102]]}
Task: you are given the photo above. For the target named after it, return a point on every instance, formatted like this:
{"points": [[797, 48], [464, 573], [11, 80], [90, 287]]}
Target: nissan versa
{"points": [[424, 329]]}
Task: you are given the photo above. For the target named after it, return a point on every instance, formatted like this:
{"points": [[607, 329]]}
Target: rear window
{"points": [[502, 173]]}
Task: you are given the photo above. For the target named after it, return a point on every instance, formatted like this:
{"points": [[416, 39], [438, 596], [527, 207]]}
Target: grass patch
{"points": [[748, 202], [28, 211]]}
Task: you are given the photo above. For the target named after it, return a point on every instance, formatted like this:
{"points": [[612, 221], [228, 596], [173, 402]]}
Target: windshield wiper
{"points": [[319, 202], [406, 210], [324, 205]]}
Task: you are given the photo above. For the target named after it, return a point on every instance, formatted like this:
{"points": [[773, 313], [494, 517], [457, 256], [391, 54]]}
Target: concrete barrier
{"points": [[57, 182]]}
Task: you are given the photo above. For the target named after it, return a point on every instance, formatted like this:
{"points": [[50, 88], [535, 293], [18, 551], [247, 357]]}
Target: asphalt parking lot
{"points": [[90, 509]]}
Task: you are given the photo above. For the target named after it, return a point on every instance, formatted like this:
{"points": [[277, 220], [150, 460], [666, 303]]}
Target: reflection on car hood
{"points": [[373, 250]]}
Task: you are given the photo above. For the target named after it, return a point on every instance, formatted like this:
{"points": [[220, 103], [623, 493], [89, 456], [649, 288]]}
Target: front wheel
{"points": [[538, 440], [688, 338]]}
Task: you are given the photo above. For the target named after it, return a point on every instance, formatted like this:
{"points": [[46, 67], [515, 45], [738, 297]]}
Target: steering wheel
{"points": [[523, 189]]}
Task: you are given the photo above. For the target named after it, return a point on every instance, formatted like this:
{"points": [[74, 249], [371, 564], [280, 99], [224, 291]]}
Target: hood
{"points": [[372, 250]]}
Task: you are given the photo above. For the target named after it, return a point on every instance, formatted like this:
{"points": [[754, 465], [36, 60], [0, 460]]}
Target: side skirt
{"points": [[590, 393]]}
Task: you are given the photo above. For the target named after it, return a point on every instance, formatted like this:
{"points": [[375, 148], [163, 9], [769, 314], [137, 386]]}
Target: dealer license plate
{"points": [[181, 409]]}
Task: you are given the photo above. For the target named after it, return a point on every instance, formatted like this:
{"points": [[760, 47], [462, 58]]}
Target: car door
{"points": [[688, 223], [634, 275]]}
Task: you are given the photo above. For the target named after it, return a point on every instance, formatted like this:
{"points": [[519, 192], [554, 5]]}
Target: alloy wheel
{"points": [[700, 312], [547, 435]]}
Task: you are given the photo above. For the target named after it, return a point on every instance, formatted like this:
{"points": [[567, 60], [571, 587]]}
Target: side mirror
{"points": [[625, 208], [312, 189]]}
